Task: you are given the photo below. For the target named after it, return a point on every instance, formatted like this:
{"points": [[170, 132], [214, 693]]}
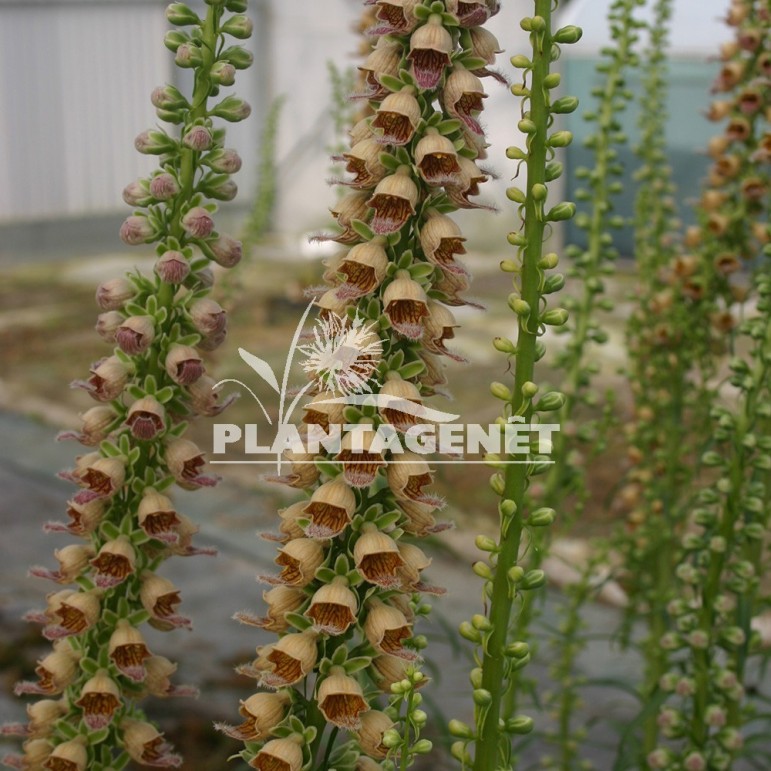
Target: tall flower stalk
{"points": [[339, 688], [507, 580], [717, 595], [147, 390]]}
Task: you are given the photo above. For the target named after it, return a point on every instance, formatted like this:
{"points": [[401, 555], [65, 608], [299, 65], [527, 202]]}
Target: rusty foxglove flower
{"points": [[397, 118], [333, 608], [437, 160], [341, 700], [406, 305], [430, 48]]}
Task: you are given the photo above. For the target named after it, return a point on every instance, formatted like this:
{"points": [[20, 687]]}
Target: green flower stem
{"points": [[516, 477]]}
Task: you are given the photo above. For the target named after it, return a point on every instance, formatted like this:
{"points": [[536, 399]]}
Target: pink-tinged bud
{"points": [[154, 143], [239, 27], [198, 138], [146, 418], [107, 381], [227, 191], [163, 187], [188, 55], [203, 278], [226, 251], [135, 334], [172, 267], [168, 98], [223, 74], [147, 746], [232, 109], [213, 341], [183, 364], [198, 222], [136, 230], [136, 193], [112, 294], [228, 162], [106, 325], [207, 316]]}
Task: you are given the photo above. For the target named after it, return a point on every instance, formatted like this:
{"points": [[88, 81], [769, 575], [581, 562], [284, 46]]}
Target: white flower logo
{"points": [[343, 355]]}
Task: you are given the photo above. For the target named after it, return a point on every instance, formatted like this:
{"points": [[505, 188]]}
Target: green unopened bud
{"points": [[516, 154], [173, 39], [180, 14], [552, 80], [542, 517], [564, 105], [517, 650], [568, 35], [519, 89], [562, 211], [521, 62], [460, 730], [560, 139], [504, 345], [422, 747], [553, 171], [485, 543], [480, 622], [520, 724], [236, 6], [533, 579], [497, 484], [554, 400], [516, 574], [516, 239], [556, 317], [538, 24], [527, 126], [239, 57], [459, 752], [548, 261], [391, 738], [518, 305], [529, 389], [553, 283], [239, 27], [482, 697], [232, 109], [539, 192], [516, 194], [507, 508], [188, 56], [500, 391], [482, 569], [467, 632]]}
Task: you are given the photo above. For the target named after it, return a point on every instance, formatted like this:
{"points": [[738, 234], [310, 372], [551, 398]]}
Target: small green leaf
{"points": [[448, 126], [65, 729], [422, 12], [109, 449], [109, 531], [341, 565], [165, 394], [298, 621], [362, 230], [357, 664], [88, 665], [389, 161], [421, 270], [411, 370], [390, 82], [339, 656]]}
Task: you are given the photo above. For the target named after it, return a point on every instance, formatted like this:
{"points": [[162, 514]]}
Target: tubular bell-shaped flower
{"points": [[346, 551], [156, 324]]}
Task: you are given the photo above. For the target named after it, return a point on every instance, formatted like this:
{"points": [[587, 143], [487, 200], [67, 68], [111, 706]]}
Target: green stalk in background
{"points": [[507, 580]]}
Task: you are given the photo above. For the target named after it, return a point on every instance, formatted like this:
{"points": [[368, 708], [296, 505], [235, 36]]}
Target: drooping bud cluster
{"points": [[507, 576], [146, 390], [348, 593]]}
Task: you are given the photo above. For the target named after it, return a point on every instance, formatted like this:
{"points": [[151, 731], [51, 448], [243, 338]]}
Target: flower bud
{"points": [[112, 294], [239, 57], [207, 316], [136, 230], [226, 161], [198, 222], [154, 143], [198, 138], [188, 55], [239, 27], [181, 14], [163, 186], [172, 267], [223, 74], [226, 251], [232, 109], [183, 364], [137, 193], [106, 325]]}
